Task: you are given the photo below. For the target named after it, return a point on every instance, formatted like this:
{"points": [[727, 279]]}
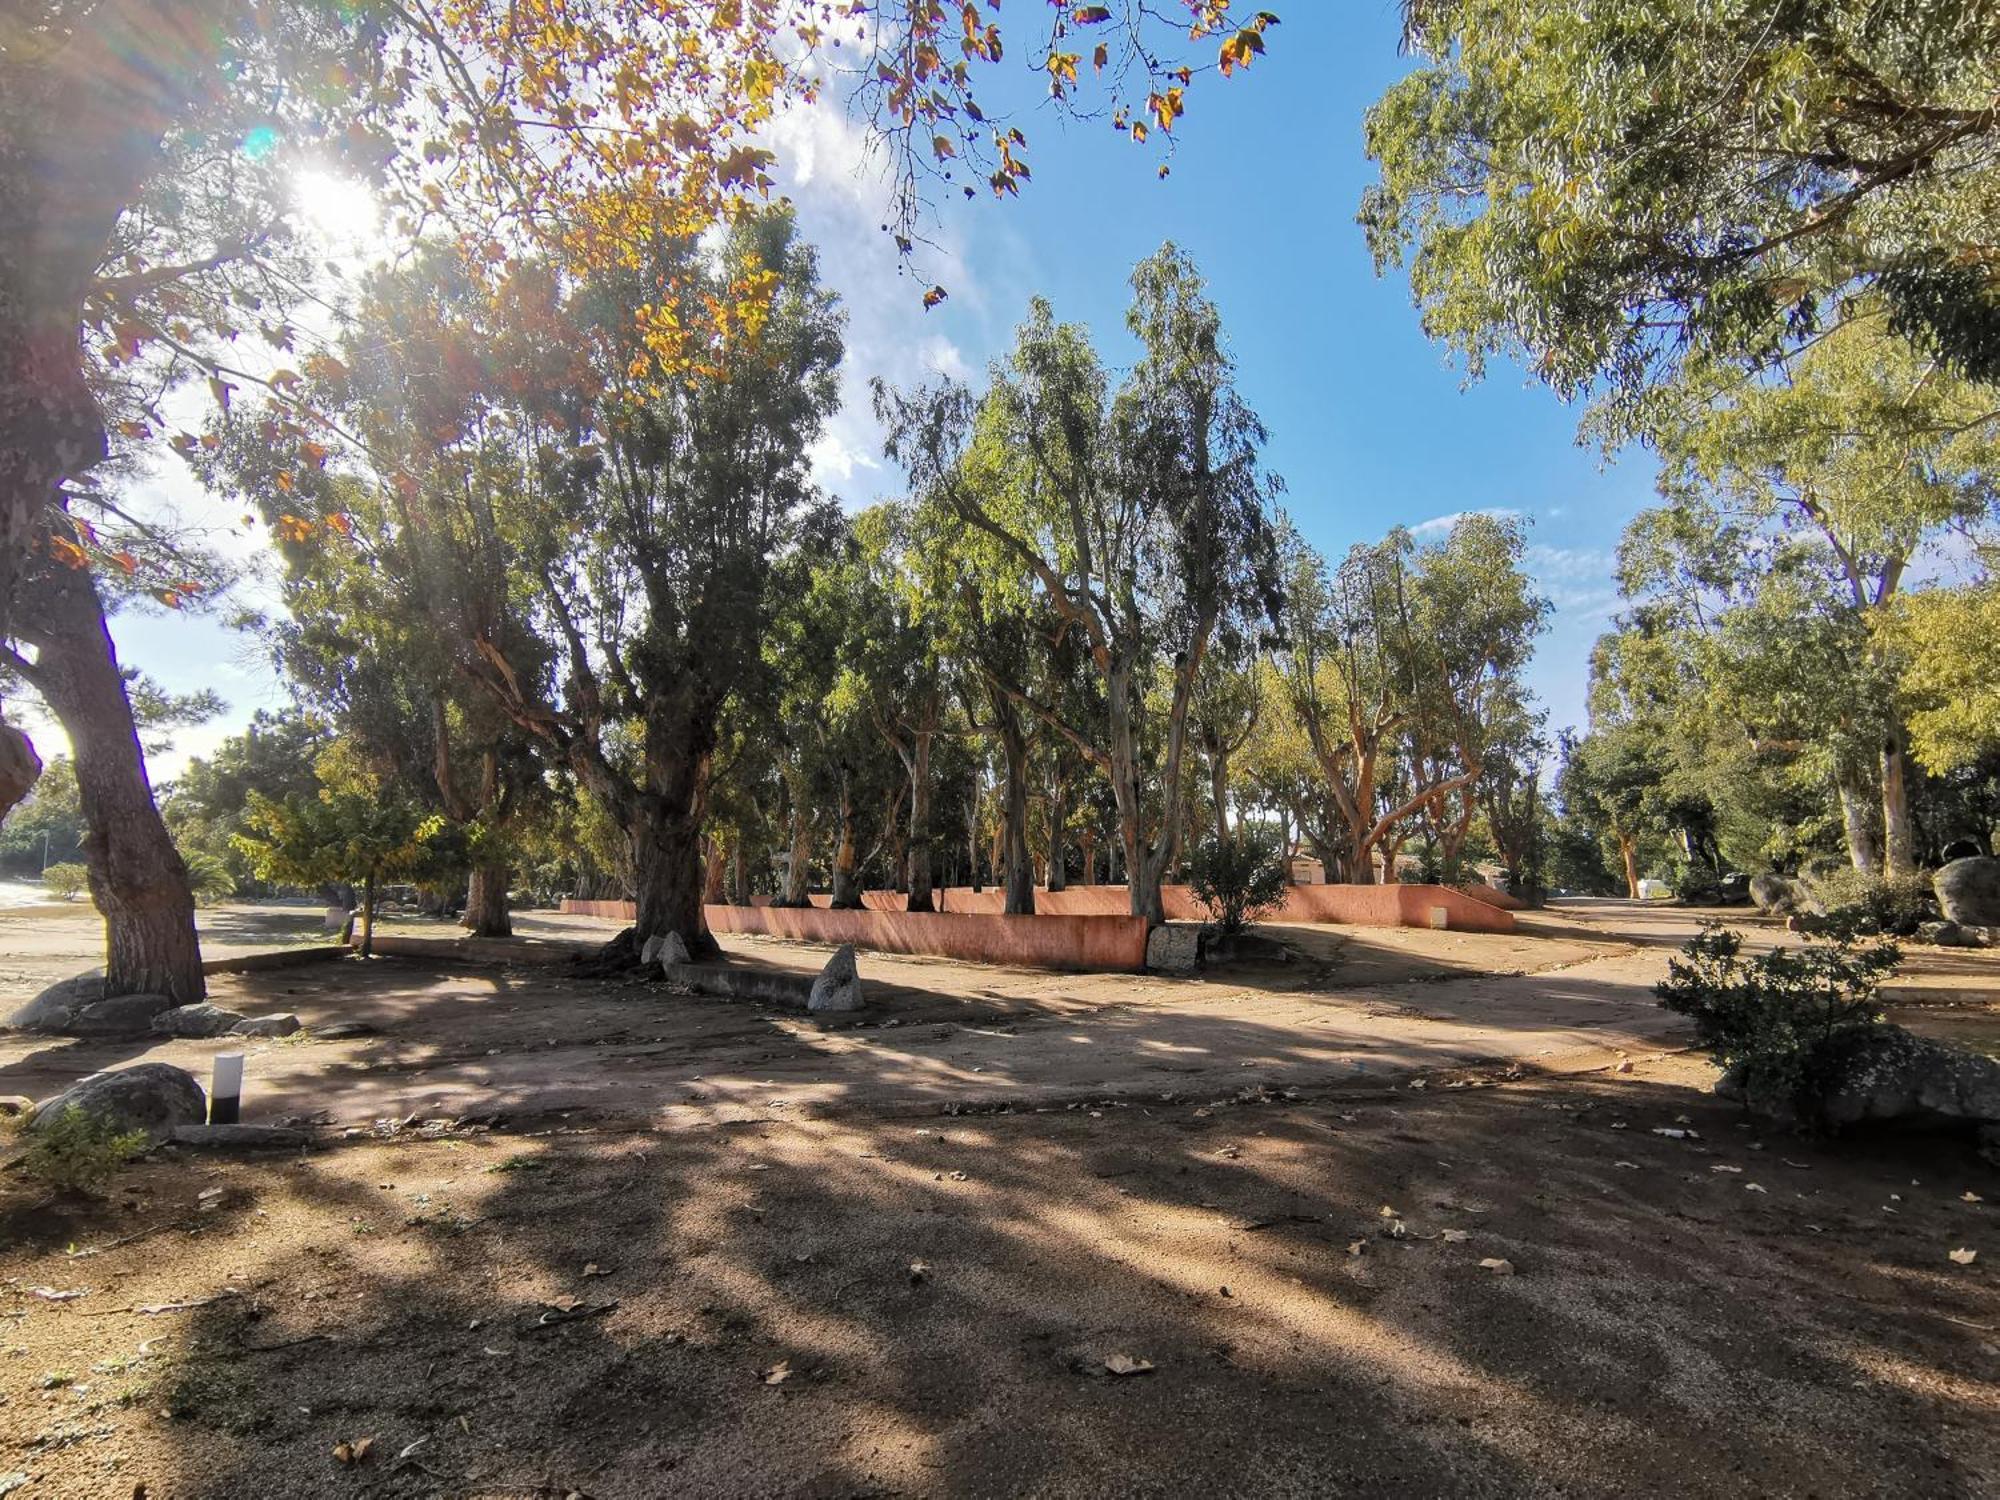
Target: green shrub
{"points": [[80, 1152], [65, 882], [1855, 902], [1237, 880], [1765, 1018], [209, 879]]}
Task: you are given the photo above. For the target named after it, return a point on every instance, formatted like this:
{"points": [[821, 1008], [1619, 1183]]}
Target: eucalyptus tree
{"points": [[1605, 191], [1858, 463], [1228, 699], [1141, 517]]}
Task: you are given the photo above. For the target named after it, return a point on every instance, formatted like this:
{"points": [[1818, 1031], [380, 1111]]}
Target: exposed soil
{"points": [[707, 1251]]}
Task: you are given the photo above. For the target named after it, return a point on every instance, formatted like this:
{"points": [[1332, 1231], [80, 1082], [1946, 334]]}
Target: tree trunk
{"points": [[486, 900], [798, 861], [1899, 844], [666, 861], [919, 852], [714, 871], [1020, 859], [368, 914], [1629, 852], [1857, 816], [1058, 825], [1218, 786], [1086, 850], [137, 877], [846, 856], [85, 116]]}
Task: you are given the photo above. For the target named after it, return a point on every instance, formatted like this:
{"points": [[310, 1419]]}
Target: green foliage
{"points": [[1237, 880], [48, 825], [209, 879], [80, 1152], [1857, 902], [66, 881], [1766, 1017]]}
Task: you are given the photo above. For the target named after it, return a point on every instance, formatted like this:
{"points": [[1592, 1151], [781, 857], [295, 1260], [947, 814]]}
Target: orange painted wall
{"points": [[1054, 942], [1342, 905]]}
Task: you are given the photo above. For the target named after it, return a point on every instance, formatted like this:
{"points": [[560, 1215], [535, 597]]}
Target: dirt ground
{"points": [[568, 1237]]}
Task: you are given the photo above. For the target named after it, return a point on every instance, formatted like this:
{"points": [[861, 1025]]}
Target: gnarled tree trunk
{"points": [[1857, 815], [486, 913], [137, 877], [1899, 842]]}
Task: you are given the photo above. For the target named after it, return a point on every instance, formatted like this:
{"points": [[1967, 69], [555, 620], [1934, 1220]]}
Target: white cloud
{"points": [[1437, 524]]}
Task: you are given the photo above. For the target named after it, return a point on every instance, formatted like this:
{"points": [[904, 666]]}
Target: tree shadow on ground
{"points": [[770, 1335]]}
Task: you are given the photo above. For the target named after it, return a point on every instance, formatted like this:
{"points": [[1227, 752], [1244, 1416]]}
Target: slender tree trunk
{"points": [[714, 871], [798, 861], [1629, 852], [1086, 853], [738, 896], [1020, 859], [919, 852], [846, 888], [972, 832], [1858, 810], [368, 914], [1899, 844], [1218, 786], [486, 912], [1058, 827], [137, 877]]}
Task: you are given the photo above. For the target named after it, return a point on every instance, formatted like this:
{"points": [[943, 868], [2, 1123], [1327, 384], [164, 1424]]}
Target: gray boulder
{"points": [[838, 987], [650, 952], [154, 1097], [1946, 935], [195, 1020], [1969, 891], [52, 1007], [673, 950], [122, 1015], [281, 1025], [1773, 894], [1174, 948]]}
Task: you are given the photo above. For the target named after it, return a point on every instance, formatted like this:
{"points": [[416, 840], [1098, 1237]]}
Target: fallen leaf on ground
{"points": [[592, 1268], [1497, 1266], [1754, 1187], [1357, 1247], [1964, 1257], [1387, 1212], [778, 1374], [1453, 1236], [353, 1452], [1126, 1364], [920, 1272], [1969, 1197], [1672, 1134], [50, 1294], [1630, 1166], [412, 1448]]}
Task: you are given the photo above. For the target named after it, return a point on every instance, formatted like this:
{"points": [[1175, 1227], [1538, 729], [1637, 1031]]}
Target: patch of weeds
{"points": [[79, 1152], [442, 1220], [56, 1380]]}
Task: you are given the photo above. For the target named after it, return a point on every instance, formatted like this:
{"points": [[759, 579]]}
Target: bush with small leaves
{"points": [[1856, 902], [80, 1152], [1769, 1019], [65, 882], [1237, 880]]}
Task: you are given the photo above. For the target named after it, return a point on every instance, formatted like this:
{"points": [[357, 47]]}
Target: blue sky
{"points": [[1371, 424]]}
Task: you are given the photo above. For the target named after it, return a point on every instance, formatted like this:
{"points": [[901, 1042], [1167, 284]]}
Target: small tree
{"points": [[65, 882], [340, 836], [1237, 880], [1773, 1019]]}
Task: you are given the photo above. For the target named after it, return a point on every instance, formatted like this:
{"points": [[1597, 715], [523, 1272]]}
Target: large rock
{"points": [[1969, 891], [52, 1007], [122, 1015], [1174, 948], [838, 987], [154, 1097], [281, 1025], [195, 1020], [1773, 894], [665, 949], [1884, 1074]]}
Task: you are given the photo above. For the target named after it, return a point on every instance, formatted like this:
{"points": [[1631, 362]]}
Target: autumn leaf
{"points": [[934, 296], [1126, 1364], [1963, 1257]]}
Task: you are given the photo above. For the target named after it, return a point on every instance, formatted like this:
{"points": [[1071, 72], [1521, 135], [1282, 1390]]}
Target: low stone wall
{"points": [[1344, 905], [1108, 943], [618, 911], [275, 958], [473, 950]]}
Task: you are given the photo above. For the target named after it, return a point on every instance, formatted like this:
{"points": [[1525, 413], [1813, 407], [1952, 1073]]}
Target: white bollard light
{"points": [[225, 1094]]}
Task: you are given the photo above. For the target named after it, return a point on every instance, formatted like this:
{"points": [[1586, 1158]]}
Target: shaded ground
{"points": [[1669, 1329], [1191, 1174]]}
